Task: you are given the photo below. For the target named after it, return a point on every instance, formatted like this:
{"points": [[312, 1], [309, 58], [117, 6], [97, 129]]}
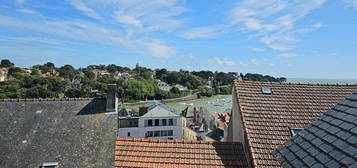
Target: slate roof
{"points": [[159, 111], [268, 118], [155, 153], [154, 104], [71, 133], [330, 141]]}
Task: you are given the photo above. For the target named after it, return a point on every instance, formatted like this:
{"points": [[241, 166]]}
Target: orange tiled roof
{"points": [[268, 118], [151, 153]]}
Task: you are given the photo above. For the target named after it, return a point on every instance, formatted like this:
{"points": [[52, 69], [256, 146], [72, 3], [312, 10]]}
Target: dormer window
{"points": [[266, 90], [49, 165], [295, 131]]}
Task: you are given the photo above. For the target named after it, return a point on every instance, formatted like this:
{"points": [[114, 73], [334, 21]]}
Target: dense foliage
{"points": [[140, 83]]}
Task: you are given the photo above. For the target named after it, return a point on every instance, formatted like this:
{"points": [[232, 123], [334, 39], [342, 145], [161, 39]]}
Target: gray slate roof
{"points": [[330, 141], [71, 133]]}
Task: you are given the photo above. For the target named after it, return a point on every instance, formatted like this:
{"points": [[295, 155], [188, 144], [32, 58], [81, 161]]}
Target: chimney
{"points": [[112, 99], [143, 111], [194, 115]]}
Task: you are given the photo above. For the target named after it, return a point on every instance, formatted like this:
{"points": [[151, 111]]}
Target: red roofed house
{"points": [[266, 115]]}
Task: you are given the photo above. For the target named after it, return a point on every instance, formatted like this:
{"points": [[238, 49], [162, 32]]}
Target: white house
{"points": [[164, 86], [3, 74], [154, 121], [180, 87]]}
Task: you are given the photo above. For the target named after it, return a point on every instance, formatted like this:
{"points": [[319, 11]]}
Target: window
{"points": [[128, 134], [295, 131], [170, 138], [266, 90], [164, 133], [171, 122], [149, 123], [149, 134], [49, 165], [156, 133], [170, 133], [157, 122], [164, 122]]}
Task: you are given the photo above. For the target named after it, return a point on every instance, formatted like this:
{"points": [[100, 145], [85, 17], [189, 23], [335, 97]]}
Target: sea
{"points": [[321, 81]]}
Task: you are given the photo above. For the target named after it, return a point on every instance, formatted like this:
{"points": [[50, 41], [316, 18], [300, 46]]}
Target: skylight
{"points": [[50, 165], [266, 90], [295, 131]]}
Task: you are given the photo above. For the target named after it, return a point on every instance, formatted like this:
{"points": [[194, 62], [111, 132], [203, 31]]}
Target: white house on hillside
{"points": [[154, 121], [3, 74], [181, 88], [164, 86]]}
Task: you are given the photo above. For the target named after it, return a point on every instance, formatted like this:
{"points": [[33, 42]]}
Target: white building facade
{"points": [[163, 86], [3, 74], [158, 123]]}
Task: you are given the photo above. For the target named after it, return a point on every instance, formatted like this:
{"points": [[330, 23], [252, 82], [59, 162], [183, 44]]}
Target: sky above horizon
{"points": [[290, 38]]}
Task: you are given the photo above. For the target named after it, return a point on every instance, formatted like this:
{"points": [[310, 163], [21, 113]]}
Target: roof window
{"points": [[266, 90], [49, 165], [295, 131]]}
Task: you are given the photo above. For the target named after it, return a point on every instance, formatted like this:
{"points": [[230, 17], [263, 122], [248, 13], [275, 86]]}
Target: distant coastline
{"points": [[322, 81]]}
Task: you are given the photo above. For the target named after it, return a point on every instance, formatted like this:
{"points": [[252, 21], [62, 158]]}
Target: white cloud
{"points": [[129, 20], [350, 4], [190, 55], [157, 48], [225, 61], [258, 49], [254, 62], [81, 6], [243, 64], [287, 55], [272, 22], [145, 15], [203, 32], [20, 2], [290, 65], [26, 11], [84, 32], [272, 65]]}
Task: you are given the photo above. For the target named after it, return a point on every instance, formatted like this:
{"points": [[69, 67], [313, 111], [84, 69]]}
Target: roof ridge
{"points": [[181, 141], [290, 83], [45, 99]]}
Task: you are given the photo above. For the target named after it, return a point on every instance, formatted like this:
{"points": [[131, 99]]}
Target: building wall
{"points": [[235, 131], [237, 125], [141, 130], [3, 75]]}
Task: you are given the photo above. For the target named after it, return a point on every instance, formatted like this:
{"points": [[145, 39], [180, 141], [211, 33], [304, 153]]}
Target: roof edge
{"points": [[131, 139], [48, 99], [290, 83]]}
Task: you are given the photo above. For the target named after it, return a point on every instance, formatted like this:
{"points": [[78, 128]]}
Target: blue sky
{"points": [[291, 38]]}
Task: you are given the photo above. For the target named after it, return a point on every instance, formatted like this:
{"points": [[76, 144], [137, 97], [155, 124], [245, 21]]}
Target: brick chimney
{"points": [[143, 111], [112, 99], [194, 115]]}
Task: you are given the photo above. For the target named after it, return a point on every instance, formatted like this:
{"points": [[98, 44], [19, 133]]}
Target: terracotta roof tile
{"points": [[268, 118], [150, 153]]}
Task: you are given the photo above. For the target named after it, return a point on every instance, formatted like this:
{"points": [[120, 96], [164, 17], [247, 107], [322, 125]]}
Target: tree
{"points": [[6, 63], [48, 67], [15, 72], [35, 71], [73, 92], [175, 90], [67, 71]]}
